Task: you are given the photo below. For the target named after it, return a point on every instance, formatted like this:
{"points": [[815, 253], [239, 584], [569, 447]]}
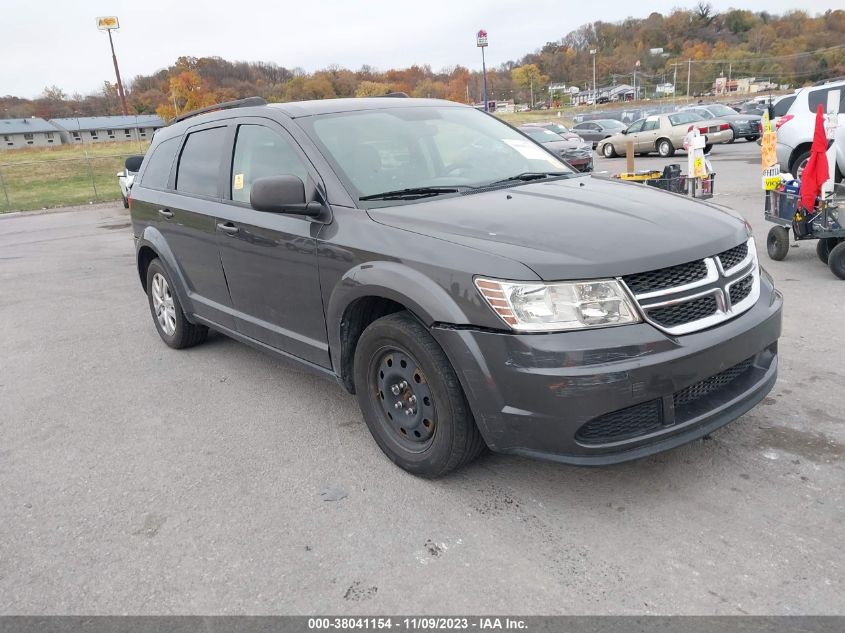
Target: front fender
{"points": [[152, 238], [425, 298]]}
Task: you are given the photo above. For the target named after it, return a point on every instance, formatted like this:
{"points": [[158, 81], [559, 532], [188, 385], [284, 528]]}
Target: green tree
{"points": [[528, 77]]}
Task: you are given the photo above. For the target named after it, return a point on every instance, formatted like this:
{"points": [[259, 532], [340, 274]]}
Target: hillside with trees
{"points": [[794, 49]]}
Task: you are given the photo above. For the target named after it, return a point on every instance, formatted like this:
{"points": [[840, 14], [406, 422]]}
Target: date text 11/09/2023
{"points": [[417, 624]]}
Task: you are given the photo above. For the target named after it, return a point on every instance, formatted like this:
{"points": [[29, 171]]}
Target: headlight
{"points": [[541, 307]]}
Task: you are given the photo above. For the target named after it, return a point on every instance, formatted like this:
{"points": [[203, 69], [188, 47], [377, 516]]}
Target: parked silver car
{"points": [[795, 128]]}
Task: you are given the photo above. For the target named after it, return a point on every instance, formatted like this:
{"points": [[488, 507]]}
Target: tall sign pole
{"points": [[481, 42], [108, 24]]}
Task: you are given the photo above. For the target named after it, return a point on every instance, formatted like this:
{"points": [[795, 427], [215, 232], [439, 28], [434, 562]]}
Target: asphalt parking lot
{"points": [[142, 480]]}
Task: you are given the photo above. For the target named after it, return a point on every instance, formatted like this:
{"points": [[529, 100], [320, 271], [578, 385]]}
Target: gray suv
{"points": [[460, 279], [796, 126]]}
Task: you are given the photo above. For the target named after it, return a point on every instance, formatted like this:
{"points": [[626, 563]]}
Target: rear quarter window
{"points": [[816, 97], [157, 173]]}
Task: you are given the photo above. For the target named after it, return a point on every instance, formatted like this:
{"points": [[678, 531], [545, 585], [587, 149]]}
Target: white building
{"points": [[32, 132]]}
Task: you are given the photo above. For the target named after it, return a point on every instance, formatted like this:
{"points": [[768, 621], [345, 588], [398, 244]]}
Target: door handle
{"points": [[228, 228], [165, 213]]}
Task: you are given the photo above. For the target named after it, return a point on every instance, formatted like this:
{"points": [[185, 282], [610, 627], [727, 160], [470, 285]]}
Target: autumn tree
{"points": [[528, 77]]}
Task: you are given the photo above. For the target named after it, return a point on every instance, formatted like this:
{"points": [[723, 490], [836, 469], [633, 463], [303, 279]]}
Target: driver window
{"points": [[636, 126], [261, 152]]}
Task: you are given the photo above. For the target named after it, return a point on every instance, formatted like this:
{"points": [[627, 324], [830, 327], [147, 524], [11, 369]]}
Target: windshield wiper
{"points": [[412, 193], [528, 176]]}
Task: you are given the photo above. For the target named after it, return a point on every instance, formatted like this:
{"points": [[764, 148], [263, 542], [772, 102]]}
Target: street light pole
{"points": [[110, 23], [481, 42]]}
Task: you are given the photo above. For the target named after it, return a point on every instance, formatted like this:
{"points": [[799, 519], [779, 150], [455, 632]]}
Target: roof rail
{"points": [[228, 105], [829, 81], [401, 95]]}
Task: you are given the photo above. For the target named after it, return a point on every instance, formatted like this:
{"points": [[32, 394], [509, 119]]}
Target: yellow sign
{"points": [[108, 23], [239, 182], [699, 170]]}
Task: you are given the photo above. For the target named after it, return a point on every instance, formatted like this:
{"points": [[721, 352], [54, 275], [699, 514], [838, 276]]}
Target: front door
{"points": [[270, 259]]}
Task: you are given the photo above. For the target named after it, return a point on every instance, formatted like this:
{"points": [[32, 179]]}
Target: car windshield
{"points": [[397, 148], [560, 128], [721, 110], [680, 118], [541, 134]]}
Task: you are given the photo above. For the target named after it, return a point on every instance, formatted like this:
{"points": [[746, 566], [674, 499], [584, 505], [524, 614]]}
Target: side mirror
{"points": [[282, 194], [121, 174], [133, 163], [625, 131]]}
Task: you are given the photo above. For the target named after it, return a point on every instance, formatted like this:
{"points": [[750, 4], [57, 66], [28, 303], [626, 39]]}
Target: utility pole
{"points": [[689, 74], [109, 24], [531, 88], [675, 84], [594, 52]]}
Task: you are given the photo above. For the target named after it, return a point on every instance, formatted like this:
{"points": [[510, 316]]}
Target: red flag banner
{"points": [[816, 172]]}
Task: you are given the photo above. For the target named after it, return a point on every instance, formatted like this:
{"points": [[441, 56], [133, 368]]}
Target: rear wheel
{"points": [[777, 243], [797, 166], [173, 328], [824, 246], [836, 260], [751, 139], [411, 399], [665, 148]]}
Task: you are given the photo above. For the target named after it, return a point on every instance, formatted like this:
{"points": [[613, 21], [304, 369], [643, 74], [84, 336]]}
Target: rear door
{"points": [[270, 259], [176, 195], [647, 138]]}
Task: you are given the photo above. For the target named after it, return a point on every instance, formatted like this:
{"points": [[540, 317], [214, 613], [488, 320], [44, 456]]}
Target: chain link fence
{"points": [[62, 176]]}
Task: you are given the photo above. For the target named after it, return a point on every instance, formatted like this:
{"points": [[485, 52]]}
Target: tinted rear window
{"points": [[199, 165], [157, 172], [782, 106]]}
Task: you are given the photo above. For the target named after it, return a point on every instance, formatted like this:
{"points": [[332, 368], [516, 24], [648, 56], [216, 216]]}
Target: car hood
{"points": [[576, 228]]}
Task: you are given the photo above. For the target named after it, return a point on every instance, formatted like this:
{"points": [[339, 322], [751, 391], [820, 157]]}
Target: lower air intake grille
{"points": [[709, 385], [622, 424], [681, 313]]}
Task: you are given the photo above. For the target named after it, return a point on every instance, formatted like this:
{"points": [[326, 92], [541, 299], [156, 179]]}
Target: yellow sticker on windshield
{"points": [[239, 182]]}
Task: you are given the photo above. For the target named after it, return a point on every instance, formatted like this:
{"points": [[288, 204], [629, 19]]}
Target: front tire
{"points": [[172, 326], [608, 151], [836, 260], [777, 243], [411, 399]]}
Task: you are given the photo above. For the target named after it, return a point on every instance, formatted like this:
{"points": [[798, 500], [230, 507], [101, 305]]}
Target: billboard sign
{"points": [[481, 38], [108, 23]]}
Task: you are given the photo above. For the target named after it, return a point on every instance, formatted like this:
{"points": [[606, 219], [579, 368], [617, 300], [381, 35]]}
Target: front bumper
{"points": [[535, 394]]}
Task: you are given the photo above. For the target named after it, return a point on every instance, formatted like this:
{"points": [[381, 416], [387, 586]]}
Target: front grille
{"points": [[709, 385], [664, 278], [622, 424], [678, 314], [733, 256], [741, 289]]}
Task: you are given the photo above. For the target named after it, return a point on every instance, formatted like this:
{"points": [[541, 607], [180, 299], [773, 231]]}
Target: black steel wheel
{"points": [[777, 243], [411, 398], [824, 246], [836, 260]]}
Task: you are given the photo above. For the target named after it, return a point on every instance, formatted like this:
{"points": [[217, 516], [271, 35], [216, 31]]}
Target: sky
{"points": [[56, 42]]}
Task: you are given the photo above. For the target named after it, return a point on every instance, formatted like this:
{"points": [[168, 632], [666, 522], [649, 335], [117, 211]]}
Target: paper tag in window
{"points": [[239, 182], [528, 150]]}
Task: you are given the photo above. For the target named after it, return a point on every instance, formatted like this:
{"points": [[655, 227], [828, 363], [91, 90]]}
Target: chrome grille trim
{"points": [[718, 283]]}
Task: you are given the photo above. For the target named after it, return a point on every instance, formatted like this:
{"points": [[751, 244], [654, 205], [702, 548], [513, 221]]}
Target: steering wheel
{"points": [[448, 169]]}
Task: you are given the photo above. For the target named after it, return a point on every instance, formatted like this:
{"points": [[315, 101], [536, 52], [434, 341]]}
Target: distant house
{"points": [[32, 132], [108, 129]]}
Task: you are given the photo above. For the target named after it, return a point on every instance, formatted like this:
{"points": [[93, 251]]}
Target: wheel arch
{"points": [[376, 289], [151, 246], [797, 151]]}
